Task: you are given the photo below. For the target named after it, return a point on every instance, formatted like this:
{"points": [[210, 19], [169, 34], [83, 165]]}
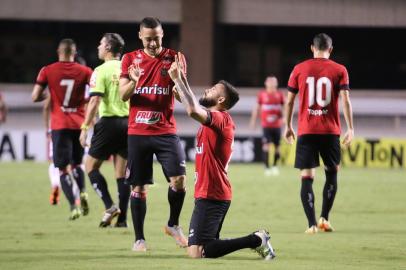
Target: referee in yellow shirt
{"points": [[110, 132]]}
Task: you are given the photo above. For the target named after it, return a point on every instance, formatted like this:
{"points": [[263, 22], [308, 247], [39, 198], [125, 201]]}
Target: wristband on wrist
{"points": [[84, 127]]}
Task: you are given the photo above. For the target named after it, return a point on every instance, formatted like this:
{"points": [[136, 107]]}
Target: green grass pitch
{"points": [[369, 216]]}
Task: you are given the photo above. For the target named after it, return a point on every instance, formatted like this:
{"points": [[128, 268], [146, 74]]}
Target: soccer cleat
{"points": [[108, 216], [268, 172], [275, 171], [54, 197], [75, 213], [84, 203], [324, 225], [265, 250], [121, 224], [177, 234], [311, 230], [140, 246]]}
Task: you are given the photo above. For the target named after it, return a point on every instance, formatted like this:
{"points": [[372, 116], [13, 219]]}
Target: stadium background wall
{"points": [[364, 153]]}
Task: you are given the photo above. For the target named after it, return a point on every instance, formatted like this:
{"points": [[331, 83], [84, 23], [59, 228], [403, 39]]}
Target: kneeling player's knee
{"points": [[195, 252], [178, 182]]}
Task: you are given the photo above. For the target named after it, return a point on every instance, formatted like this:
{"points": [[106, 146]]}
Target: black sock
{"points": [[99, 184], [265, 158], [175, 199], [307, 196], [67, 187], [138, 211], [218, 248], [79, 176], [329, 192], [124, 191], [276, 158]]}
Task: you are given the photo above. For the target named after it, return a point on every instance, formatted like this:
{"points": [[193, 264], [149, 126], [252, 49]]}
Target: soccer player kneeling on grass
{"points": [[212, 187]]}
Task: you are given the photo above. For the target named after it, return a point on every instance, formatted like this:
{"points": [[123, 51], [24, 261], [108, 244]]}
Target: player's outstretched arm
{"points": [[289, 132], [347, 109], [186, 95], [38, 93]]}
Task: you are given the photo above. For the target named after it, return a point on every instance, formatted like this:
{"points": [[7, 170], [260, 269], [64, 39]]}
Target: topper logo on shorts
{"points": [[148, 117]]}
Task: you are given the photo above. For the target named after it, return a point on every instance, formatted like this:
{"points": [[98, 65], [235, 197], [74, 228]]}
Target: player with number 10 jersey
{"points": [[319, 82]]}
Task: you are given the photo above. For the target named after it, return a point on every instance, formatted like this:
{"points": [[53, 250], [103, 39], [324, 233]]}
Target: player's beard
{"points": [[207, 102]]}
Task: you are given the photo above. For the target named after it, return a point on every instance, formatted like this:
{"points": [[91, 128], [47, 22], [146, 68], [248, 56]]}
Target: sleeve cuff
{"points": [[92, 94], [344, 87], [43, 84], [293, 90]]}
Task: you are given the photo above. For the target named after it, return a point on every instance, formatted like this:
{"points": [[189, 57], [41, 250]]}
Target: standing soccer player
{"points": [[269, 105], [110, 132], [212, 188], [152, 129], [319, 83], [67, 82]]}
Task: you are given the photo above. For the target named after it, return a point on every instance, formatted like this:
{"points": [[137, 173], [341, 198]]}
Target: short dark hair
{"points": [[150, 22], [322, 42], [115, 41], [232, 94], [68, 44]]}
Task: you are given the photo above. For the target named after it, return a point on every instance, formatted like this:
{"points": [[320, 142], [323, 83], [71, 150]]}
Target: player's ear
{"points": [[221, 100], [139, 35], [312, 48], [330, 50]]}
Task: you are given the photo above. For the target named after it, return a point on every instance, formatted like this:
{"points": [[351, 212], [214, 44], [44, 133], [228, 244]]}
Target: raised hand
{"points": [[134, 71], [175, 69]]}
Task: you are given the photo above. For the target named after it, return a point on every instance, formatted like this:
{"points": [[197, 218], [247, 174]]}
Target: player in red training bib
{"points": [[319, 82], [145, 82], [212, 187], [67, 82], [269, 106]]}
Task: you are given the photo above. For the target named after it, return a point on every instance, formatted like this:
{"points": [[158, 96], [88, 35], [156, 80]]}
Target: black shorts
{"points": [[271, 135], [141, 148], [207, 220], [66, 148], [310, 146], [109, 138]]}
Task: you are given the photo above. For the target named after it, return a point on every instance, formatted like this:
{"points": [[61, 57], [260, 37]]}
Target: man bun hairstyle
{"points": [[115, 42], [150, 22], [232, 95], [322, 42], [68, 46]]}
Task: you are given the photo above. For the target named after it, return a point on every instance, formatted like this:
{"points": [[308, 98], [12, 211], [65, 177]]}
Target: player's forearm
{"points": [[91, 110], [254, 116], [347, 108], [289, 109], [38, 93], [289, 113], [190, 102], [126, 89]]}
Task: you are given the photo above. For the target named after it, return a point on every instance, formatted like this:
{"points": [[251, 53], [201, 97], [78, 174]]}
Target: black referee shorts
{"points": [[207, 220], [109, 138], [141, 149], [66, 148], [310, 146]]}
